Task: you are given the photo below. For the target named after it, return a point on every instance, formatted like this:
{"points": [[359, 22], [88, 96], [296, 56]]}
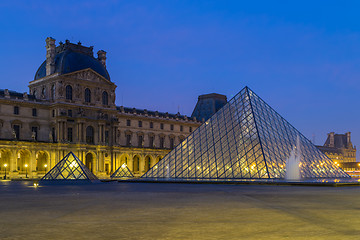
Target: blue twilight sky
{"points": [[302, 57]]}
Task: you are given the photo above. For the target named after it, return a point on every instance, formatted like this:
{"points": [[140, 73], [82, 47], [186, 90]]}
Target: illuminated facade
{"points": [[245, 139], [71, 107]]}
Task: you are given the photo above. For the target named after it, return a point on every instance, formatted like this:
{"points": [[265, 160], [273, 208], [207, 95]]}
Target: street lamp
{"points": [[5, 165], [45, 166], [26, 170]]}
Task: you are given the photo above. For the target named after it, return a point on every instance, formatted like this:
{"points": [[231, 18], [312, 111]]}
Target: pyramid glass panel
{"points": [[122, 172], [70, 168], [246, 139]]}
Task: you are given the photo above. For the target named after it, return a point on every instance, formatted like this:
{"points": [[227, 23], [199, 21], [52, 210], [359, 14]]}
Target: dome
{"points": [[71, 58]]}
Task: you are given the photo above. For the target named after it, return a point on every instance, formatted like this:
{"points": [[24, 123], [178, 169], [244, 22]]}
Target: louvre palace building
{"points": [[71, 107]]}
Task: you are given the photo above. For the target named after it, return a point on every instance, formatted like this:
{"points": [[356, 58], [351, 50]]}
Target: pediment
{"points": [[89, 75]]}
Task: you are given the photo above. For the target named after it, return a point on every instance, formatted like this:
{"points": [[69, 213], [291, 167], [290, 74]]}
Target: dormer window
{"points": [[87, 95], [105, 98], [68, 91]]}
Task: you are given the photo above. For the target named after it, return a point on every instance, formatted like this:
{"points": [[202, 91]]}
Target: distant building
{"points": [[339, 148], [207, 105]]}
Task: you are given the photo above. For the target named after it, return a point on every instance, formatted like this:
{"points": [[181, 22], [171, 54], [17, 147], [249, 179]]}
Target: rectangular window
{"points": [[70, 134], [171, 143], [140, 141], [34, 133], [16, 110], [53, 135], [128, 140], [34, 112], [190, 129], [162, 140], [181, 128], [107, 137], [140, 123], [172, 127], [151, 141], [161, 126], [70, 113], [16, 131], [53, 113], [128, 123], [151, 125]]}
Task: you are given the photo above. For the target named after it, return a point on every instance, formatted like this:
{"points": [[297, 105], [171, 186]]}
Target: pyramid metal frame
{"points": [[245, 139], [122, 172], [69, 168]]}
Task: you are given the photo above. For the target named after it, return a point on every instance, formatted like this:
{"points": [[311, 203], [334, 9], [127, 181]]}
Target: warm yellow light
{"points": [[335, 162], [26, 165], [36, 184], [45, 165], [5, 165], [198, 168], [123, 166]]}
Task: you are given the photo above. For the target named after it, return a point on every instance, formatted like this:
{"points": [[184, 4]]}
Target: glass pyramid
{"points": [[122, 172], [70, 168], [245, 139]]}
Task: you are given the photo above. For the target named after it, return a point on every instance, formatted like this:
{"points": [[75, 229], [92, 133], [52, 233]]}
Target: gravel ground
{"points": [[177, 211]]}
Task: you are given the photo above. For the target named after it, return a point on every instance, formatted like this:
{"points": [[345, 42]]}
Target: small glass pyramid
{"points": [[245, 139], [122, 172], [70, 168]]}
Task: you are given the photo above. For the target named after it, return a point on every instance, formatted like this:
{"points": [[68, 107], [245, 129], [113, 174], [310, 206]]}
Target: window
{"points": [[128, 139], [34, 112], [90, 135], [34, 133], [106, 136], [105, 98], [162, 140], [181, 128], [70, 134], [172, 127], [140, 140], [16, 129], [161, 126], [53, 113], [53, 92], [190, 129], [151, 125], [171, 143], [151, 141], [128, 123], [87, 95], [53, 134], [68, 91], [140, 123], [34, 93], [70, 113], [16, 110]]}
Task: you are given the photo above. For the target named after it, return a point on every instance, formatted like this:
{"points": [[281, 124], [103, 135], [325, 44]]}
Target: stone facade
{"points": [[339, 148], [71, 107]]}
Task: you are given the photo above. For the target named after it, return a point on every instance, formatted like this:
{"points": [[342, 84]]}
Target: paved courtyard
{"points": [[178, 211]]}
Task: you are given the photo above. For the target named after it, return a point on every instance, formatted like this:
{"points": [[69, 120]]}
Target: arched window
{"points": [[43, 91], [105, 98], [87, 95], [68, 91], [34, 93], [90, 135]]}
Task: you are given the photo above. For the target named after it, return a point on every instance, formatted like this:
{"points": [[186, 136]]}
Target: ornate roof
{"points": [[71, 58]]}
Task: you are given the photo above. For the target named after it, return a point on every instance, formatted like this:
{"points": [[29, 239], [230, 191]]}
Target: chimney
{"points": [[50, 56], [102, 57], [332, 139]]}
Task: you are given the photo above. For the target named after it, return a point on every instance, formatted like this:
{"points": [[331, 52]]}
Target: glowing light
{"points": [[36, 185], [73, 164], [198, 168], [45, 165], [5, 165], [123, 166], [26, 165]]}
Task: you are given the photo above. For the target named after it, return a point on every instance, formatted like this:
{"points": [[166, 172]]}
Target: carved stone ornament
{"points": [[60, 88]]}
